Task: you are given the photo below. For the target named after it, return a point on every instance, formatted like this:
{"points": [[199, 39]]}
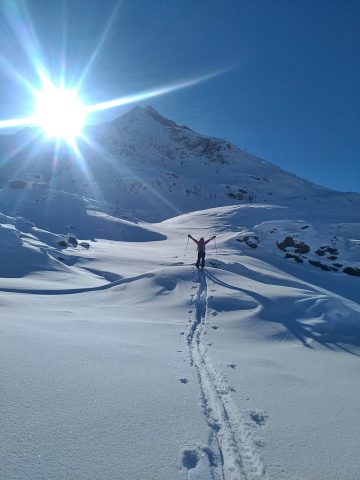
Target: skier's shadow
{"points": [[327, 335]]}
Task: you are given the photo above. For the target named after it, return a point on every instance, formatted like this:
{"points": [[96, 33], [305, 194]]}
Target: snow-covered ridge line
{"points": [[73, 291]]}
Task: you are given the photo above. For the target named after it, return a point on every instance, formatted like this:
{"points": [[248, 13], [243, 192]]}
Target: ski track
{"points": [[238, 456]]}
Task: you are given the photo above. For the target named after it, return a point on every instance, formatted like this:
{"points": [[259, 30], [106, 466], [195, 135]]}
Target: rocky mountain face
{"points": [[148, 166]]}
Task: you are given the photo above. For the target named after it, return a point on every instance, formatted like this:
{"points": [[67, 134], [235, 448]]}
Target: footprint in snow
{"points": [[190, 459], [232, 365], [260, 443], [259, 417]]}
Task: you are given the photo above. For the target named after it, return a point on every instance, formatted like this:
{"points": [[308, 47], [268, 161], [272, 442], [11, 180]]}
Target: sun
{"points": [[60, 113]]}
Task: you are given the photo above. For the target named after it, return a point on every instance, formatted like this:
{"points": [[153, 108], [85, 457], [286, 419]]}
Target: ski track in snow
{"points": [[239, 459]]}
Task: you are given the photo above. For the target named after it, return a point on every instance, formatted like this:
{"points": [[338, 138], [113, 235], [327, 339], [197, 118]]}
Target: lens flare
{"points": [[60, 113], [145, 95]]}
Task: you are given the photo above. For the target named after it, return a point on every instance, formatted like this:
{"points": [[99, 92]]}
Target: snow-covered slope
{"points": [[154, 168], [120, 360], [147, 368]]}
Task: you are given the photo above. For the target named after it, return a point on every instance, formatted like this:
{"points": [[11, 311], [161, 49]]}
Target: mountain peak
{"points": [[144, 114]]}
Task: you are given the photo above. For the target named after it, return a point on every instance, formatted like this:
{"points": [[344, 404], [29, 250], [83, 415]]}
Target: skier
{"points": [[201, 249]]}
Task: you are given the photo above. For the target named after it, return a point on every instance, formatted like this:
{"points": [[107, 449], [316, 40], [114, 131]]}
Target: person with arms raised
{"points": [[201, 249]]}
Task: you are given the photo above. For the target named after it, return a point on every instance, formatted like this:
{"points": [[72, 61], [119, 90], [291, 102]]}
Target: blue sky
{"points": [[291, 94]]}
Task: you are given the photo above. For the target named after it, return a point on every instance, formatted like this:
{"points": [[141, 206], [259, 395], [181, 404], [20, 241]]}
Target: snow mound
{"points": [[25, 248], [62, 212]]}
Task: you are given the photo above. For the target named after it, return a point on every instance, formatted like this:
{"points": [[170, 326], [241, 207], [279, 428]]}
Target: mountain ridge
{"points": [[153, 168]]}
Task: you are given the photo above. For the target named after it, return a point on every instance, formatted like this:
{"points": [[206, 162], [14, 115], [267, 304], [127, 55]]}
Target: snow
{"points": [[120, 360]]}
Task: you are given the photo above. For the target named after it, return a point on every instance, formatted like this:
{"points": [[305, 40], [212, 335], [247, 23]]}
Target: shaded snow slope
{"points": [[48, 230], [155, 169], [62, 212], [26, 249]]}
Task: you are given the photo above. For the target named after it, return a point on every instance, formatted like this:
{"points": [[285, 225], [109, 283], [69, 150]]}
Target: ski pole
{"points": [[187, 243], [217, 256]]}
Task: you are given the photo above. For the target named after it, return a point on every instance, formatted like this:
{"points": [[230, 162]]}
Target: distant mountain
{"points": [[150, 167]]}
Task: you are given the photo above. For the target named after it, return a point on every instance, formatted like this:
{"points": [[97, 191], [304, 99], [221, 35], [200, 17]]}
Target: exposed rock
{"points": [[355, 271], [326, 249], [250, 240], [296, 257], [290, 242], [72, 239], [242, 195], [316, 263]]}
